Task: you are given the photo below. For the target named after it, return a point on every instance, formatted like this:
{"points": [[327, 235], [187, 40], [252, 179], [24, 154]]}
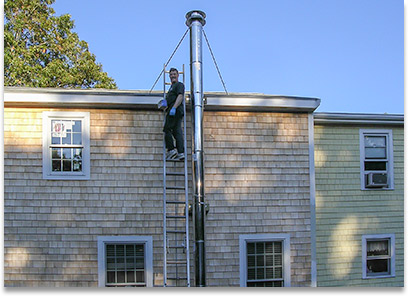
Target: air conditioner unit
{"points": [[377, 180]]}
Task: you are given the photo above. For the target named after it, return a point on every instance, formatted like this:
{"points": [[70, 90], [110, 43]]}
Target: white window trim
{"points": [[103, 240], [390, 151], [364, 239], [244, 238], [47, 172]]}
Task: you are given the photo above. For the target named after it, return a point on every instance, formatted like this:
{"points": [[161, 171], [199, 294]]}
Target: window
{"points": [[265, 260], [378, 256], [125, 261], [66, 148], [376, 159]]}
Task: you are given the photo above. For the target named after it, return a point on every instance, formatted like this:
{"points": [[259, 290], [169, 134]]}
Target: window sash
{"points": [[378, 255], [66, 145], [283, 240], [127, 267], [146, 241], [376, 156]]}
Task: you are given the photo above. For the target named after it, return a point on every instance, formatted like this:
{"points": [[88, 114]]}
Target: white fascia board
{"points": [[358, 118], [81, 98], [260, 102], [96, 98]]}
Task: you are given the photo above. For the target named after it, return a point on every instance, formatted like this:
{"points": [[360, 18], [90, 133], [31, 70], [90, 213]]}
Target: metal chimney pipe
{"points": [[196, 21]]}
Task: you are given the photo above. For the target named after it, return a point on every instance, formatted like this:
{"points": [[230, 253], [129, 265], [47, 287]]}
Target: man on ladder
{"points": [[174, 116]]}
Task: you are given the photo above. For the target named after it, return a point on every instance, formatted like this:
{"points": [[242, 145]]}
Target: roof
{"points": [[143, 99]]}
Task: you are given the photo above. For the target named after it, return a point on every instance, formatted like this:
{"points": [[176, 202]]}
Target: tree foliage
{"points": [[40, 49]]}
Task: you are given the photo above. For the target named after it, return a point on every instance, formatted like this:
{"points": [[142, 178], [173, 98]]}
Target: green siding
{"points": [[344, 212]]}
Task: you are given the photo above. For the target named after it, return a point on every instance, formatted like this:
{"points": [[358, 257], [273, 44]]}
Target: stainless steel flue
{"points": [[196, 21]]}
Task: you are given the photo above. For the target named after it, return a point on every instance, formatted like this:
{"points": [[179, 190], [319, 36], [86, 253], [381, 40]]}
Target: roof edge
{"points": [[322, 118], [134, 99]]}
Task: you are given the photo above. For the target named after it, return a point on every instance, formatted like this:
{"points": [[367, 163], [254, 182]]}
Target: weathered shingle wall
{"points": [[344, 212], [55, 224], [256, 182]]}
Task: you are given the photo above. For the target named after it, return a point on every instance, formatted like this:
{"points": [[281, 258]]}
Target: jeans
{"points": [[172, 128]]}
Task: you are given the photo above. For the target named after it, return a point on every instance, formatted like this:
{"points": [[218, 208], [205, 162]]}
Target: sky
{"points": [[348, 53]]}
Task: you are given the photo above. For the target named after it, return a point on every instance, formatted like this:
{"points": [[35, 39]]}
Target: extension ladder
{"points": [[176, 261]]}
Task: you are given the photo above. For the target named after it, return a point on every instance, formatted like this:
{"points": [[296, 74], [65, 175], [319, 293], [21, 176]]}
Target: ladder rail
{"points": [[164, 191], [176, 217], [186, 185]]}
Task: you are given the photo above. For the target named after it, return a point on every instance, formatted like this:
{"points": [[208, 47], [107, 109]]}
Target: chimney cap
{"points": [[195, 15]]}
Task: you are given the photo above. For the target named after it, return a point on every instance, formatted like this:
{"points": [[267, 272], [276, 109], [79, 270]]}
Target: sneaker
{"points": [[171, 154], [180, 156]]}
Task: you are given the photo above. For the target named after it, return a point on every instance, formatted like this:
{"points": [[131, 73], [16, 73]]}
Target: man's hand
{"points": [[172, 112]]}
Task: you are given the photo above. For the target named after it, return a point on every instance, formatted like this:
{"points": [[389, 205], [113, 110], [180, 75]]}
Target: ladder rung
{"points": [[176, 216], [176, 231], [177, 247], [175, 187], [177, 262], [177, 278], [175, 174], [175, 202], [175, 160]]}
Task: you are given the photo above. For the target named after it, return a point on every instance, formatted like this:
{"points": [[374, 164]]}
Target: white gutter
{"points": [[358, 118], [143, 99]]}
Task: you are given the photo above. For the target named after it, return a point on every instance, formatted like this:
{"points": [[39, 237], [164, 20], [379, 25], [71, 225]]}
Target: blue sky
{"points": [[348, 53]]}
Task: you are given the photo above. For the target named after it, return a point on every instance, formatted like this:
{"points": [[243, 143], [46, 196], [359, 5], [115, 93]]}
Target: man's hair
{"points": [[173, 69]]}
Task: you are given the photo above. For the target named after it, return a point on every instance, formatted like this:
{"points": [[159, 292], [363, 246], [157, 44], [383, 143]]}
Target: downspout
{"points": [[196, 21]]}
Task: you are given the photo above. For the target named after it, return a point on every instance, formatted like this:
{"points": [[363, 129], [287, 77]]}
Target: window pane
{"points": [[259, 248], [77, 126], [375, 166], [375, 153], [251, 261], [110, 264], [130, 277], [139, 276], [121, 277], [278, 272], [374, 141], [77, 166], [110, 250], [77, 139], [260, 273], [251, 273], [377, 266], [140, 251], [67, 153], [260, 260], [56, 165], [130, 263], [251, 248], [67, 139], [278, 247], [377, 248], [110, 277], [269, 260], [56, 153], [139, 263], [66, 165], [55, 140], [278, 260], [269, 247]]}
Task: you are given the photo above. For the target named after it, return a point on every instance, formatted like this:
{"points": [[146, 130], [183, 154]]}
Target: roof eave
{"points": [[96, 98]]}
